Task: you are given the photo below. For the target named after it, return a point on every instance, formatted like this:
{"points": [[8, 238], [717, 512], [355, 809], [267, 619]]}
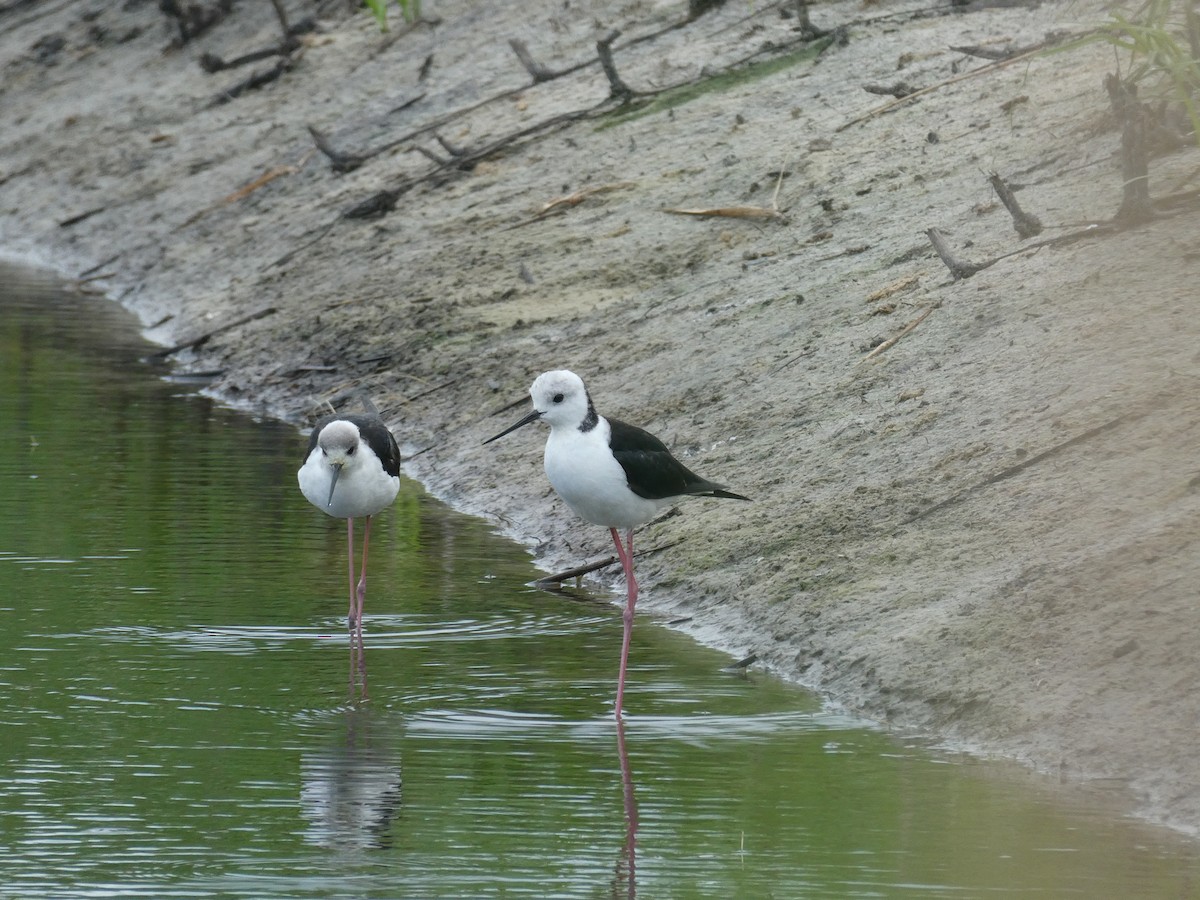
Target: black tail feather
{"points": [[728, 495]]}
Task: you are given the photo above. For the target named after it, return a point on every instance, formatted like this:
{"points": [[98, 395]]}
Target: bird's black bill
{"points": [[532, 417], [337, 470]]}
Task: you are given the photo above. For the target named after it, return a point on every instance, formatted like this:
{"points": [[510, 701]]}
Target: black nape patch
{"points": [[590, 420]]}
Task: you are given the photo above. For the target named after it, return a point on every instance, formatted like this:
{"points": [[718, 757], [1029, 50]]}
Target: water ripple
{"points": [[489, 724], [384, 632]]}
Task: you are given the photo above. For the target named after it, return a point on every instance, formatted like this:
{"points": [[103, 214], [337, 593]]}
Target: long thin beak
{"points": [[532, 417], [337, 470]]}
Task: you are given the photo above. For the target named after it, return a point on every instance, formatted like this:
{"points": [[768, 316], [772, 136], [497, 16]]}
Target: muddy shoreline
{"points": [[986, 532]]}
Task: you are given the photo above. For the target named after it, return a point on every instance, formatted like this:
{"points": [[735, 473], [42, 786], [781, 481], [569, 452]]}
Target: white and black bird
{"points": [[609, 473], [352, 470]]}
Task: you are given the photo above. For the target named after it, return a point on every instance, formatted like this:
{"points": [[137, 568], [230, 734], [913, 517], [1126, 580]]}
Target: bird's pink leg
{"points": [[631, 810], [362, 579], [350, 556], [630, 600]]}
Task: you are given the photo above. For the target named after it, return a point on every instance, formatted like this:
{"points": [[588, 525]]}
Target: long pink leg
{"points": [[631, 810], [350, 556], [362, 580], [630, 600]]}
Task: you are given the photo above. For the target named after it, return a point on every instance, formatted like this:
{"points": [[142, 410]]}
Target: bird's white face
{"points": [[339, 443], [560, 397]]}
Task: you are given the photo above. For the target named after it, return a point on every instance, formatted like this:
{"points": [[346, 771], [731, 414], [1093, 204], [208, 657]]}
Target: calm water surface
{"points": [[181, 715]]}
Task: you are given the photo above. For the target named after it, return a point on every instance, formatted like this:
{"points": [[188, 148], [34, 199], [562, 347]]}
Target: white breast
{"points": [[583, 471], [362, 489]]}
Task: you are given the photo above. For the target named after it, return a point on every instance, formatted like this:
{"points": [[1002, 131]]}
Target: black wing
{"points": [[380, 440], [373, 431], [651, 470]]}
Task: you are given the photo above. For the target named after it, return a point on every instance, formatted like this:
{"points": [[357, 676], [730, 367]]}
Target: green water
{"points": [[181, 716]]}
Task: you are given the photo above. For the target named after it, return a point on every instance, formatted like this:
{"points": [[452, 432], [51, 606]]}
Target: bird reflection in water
{"points": [[351, 790], [357, 682], [625, 875]]}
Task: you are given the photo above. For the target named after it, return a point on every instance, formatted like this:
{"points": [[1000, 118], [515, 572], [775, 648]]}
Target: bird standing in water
{"points": [[609, 473], [352, 469]]}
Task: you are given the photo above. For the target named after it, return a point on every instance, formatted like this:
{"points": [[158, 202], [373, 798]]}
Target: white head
{"points": [[560, 398], [339, 442]]}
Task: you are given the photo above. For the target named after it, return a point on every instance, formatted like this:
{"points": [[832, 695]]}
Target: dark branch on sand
{"points": [[995, 53], [580, 571], [348, 162], [255, 81], [618, 89], [1027, 226], [744, 663], [897, 89], [439, 161], [384, 201], [193, 19], [1135, 167], [536, 70], [220, 329], [982, 70], [211, 63], [958, 269], [465, 159], [79, 217], [281, 14], [697, 8], [378, 204], [290, 43], [450, 148], [295, 251], [1025, 464], [341, 162], [577, 572], [804, 25]]}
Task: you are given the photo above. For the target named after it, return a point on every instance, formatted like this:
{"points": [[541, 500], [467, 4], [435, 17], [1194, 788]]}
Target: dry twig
{"points": [[892, 341], [730, 212], [562, 204], [900, 284], [741, 212], [982, 70], [246, 190]]}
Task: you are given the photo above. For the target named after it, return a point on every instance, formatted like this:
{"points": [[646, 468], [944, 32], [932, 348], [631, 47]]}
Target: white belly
{"points": [[592, 482], [356, 493]]}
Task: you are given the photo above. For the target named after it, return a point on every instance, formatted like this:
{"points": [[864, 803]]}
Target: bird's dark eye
{"points": [[351, 450], [558, 398]]}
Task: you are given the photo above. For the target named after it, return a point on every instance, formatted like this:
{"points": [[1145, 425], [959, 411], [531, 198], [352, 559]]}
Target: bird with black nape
{"points": [[352, 470], [609, 473]]}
